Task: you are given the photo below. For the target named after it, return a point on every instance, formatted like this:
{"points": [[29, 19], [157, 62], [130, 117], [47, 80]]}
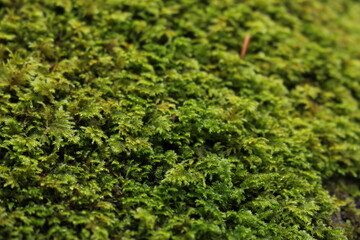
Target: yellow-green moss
{"points": [[137, 119]]}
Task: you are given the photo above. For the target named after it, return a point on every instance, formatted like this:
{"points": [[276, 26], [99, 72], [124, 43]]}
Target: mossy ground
{"points": [[137, 119]]}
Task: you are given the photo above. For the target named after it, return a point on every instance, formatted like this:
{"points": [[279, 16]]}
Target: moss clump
{"points": [[138, 119]]}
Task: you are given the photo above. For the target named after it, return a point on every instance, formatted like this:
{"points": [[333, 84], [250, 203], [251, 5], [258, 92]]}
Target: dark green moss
{"points": [[139, 120]]}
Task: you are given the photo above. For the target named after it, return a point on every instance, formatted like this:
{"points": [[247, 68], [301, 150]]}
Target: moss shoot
{"points": [[139, 119]]}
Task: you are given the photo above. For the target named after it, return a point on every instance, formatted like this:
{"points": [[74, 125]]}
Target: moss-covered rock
{"points": [[137, 119]]}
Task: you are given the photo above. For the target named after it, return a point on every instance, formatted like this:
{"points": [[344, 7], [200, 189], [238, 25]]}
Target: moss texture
{"points": [[135, 119]]}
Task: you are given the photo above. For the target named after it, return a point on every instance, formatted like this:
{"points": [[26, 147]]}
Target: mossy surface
{"points": [[135, 119]]}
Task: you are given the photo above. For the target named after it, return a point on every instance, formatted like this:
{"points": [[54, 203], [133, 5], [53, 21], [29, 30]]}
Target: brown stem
{"points": [[245, 46]]}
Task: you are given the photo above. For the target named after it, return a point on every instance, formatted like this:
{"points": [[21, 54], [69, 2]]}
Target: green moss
{"points": [[138, 119]]}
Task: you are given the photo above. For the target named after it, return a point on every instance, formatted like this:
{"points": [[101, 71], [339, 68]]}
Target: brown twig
{"points": [[245, 46]]}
